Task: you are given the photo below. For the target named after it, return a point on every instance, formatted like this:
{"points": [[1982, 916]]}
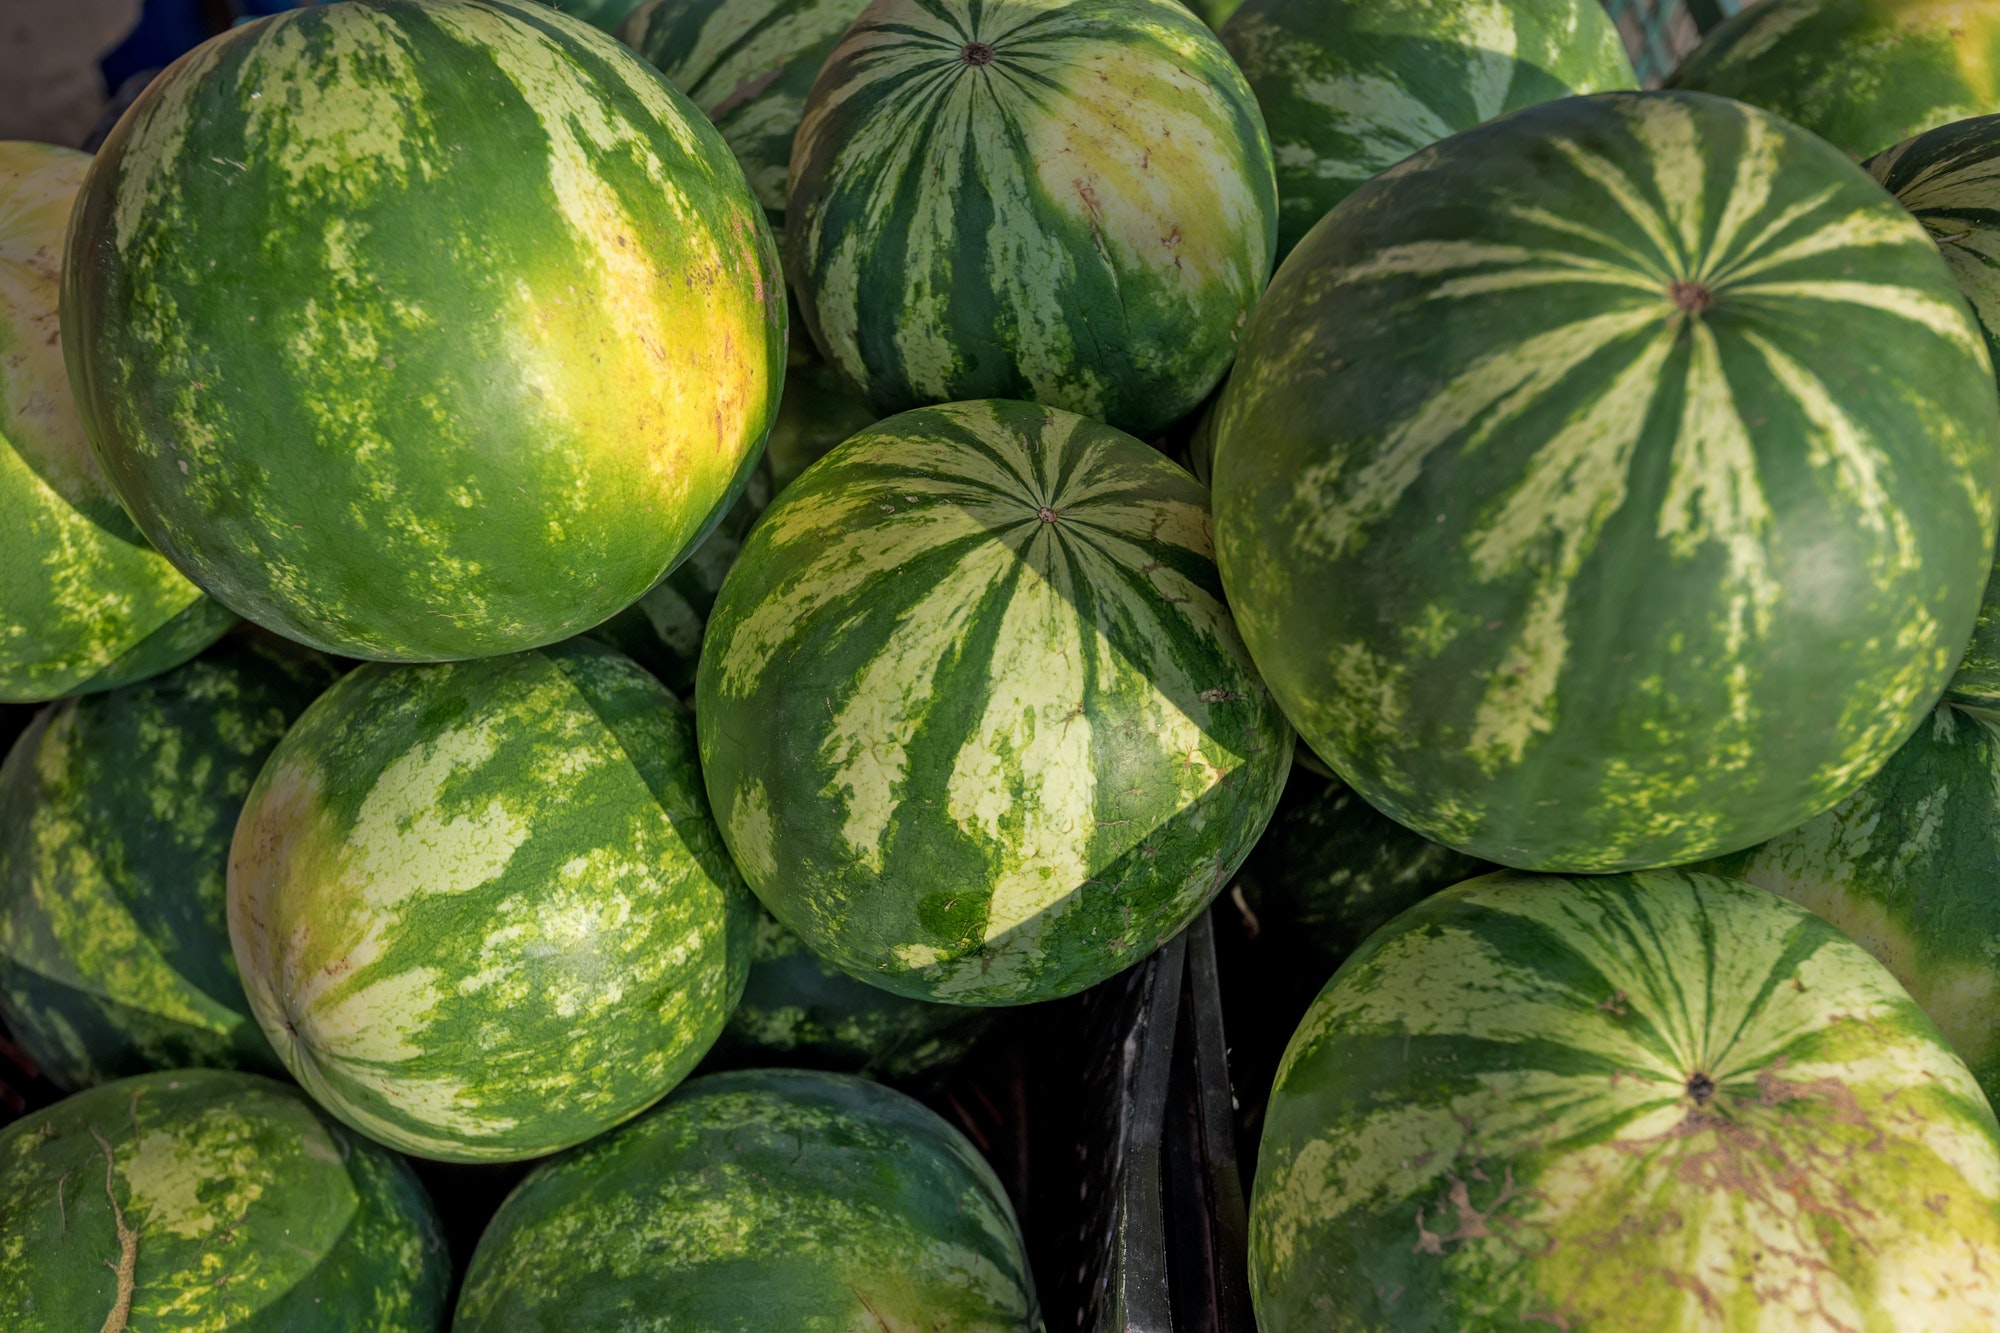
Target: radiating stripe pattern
{"points": [[748, 64], [1350, 87], [974, 719], [1949, 179], [116, 813], [769, 1198], [85, 603], [1862, 74], [205, 1201], [1064, 201], [481, 909], [421, 331], [1647, 1103], [1610, 486]]}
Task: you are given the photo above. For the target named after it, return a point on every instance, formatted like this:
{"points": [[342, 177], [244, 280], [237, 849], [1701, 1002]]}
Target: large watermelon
{"points": [[116, 813], [1908, 868], [85, 603], [480, 909], [1862, 74], [1611, 485], [771, 1199], [975, 721], [1949, 179], [422, 329], [798, 1009], [1646, 1103], [1069, 201], [203, 1201], [1349, 87]]}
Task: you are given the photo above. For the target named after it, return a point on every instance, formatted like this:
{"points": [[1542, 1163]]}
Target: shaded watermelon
{"points": [[974, 718], [1643, 1103], [480, 909], [1862, 74], [422, 329], [1636, 350], [85, 603], [1351, 87], [205, 1201], [116, 813], [798, 1009], [1066, 203], [812, 1201]]}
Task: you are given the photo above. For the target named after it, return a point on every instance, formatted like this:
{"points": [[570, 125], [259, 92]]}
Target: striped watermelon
{"points": [[115, 817], [421, 329], [481, 909], [811, 1201], [748, 64], [798, 1009], [85, 603], [1349, 87], [605, 15], [1611, 485], [1645, 1103], [1069, 201], [210, 1202], [1862, 74], [1949, 179], [974, 719], [1906, 867]]}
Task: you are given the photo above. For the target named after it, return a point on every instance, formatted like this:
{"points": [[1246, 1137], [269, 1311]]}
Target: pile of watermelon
{"points": [[615, 589]]}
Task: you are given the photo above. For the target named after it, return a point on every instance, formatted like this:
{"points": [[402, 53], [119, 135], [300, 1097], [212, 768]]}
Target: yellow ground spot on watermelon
{"points": [[753, 833], [148, 188], [190, 1182], [867, 745]]}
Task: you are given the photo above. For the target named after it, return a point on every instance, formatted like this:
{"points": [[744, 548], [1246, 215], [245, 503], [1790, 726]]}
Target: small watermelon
{"points": [[481, 910], [1862, 74], [1066, 202], [1351, 87], [85, 603], [798, 1009], [1651, 1103], [974, 718], [205, 1201], [421, 329], [792, 1200], [1611, 485], [116, 812]]}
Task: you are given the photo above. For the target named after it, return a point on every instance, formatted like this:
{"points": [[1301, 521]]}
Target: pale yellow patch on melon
{"points": [[753, 834], [166, 1180]]}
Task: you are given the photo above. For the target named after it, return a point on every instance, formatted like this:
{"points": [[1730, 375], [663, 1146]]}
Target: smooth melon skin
{"points": [[1064, 201], [205, 1201], [116, 813], [767, 1199], [1651, 1103], [1862, 74], [85, 603], [421, 330], [1351, 87], [481, 910], [1610, 485], [975, 720]]}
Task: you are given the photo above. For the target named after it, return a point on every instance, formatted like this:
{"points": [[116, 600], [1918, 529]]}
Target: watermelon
{"points": [[1949, 179], [1071, 203], [748, 64], [116, 812], [481, 909], [1349, 87], [206, 1201], [421, 329], [85, 603], [1646, 1103], [605, 15], [1610, 485], [810, 1201], [974, 719], [798, 1009], [1861, 74]]}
